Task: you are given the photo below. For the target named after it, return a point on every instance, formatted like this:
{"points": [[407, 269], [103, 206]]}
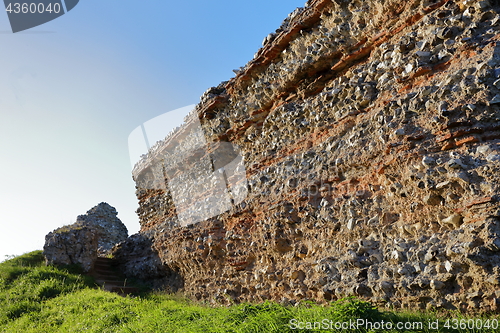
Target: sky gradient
{"points": [[72, 91]]}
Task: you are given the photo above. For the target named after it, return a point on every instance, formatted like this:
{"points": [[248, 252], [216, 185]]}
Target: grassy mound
{"points": [[26, 283], [36, 298]]}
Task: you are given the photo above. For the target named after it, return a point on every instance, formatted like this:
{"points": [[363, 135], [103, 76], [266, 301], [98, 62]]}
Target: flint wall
{"points": [[369, 134]]}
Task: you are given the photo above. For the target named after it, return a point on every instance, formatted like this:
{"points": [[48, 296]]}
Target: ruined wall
{"points": [[109, 228], [72, 245], [92, 235], [369, 132]]}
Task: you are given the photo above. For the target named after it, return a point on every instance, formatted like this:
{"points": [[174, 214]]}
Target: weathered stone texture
{"points": [[137, 259], [71, 245], [110, 230], [93, 234], [370, 132]]}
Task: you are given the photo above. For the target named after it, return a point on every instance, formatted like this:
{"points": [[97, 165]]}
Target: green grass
{"points": [[35, 298], [68, 228]]}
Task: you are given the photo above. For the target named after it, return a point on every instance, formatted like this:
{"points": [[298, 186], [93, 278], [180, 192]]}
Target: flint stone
{"points": [[428, 161], [495, 99], [454, 220], [432, 199], [387, 286], [456, 164], [483, 149], [437, 285], [493, 158]]}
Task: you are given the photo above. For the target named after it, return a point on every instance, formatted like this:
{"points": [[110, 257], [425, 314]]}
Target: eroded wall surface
{"points": [[369, 133]]}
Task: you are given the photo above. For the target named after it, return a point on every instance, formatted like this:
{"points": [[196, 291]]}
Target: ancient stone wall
{"points": [[369, 134], [110, 229], [93, 234], [72, 245]]}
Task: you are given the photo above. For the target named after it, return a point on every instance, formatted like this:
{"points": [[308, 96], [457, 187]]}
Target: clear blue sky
{"points": [[73, 89]]}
